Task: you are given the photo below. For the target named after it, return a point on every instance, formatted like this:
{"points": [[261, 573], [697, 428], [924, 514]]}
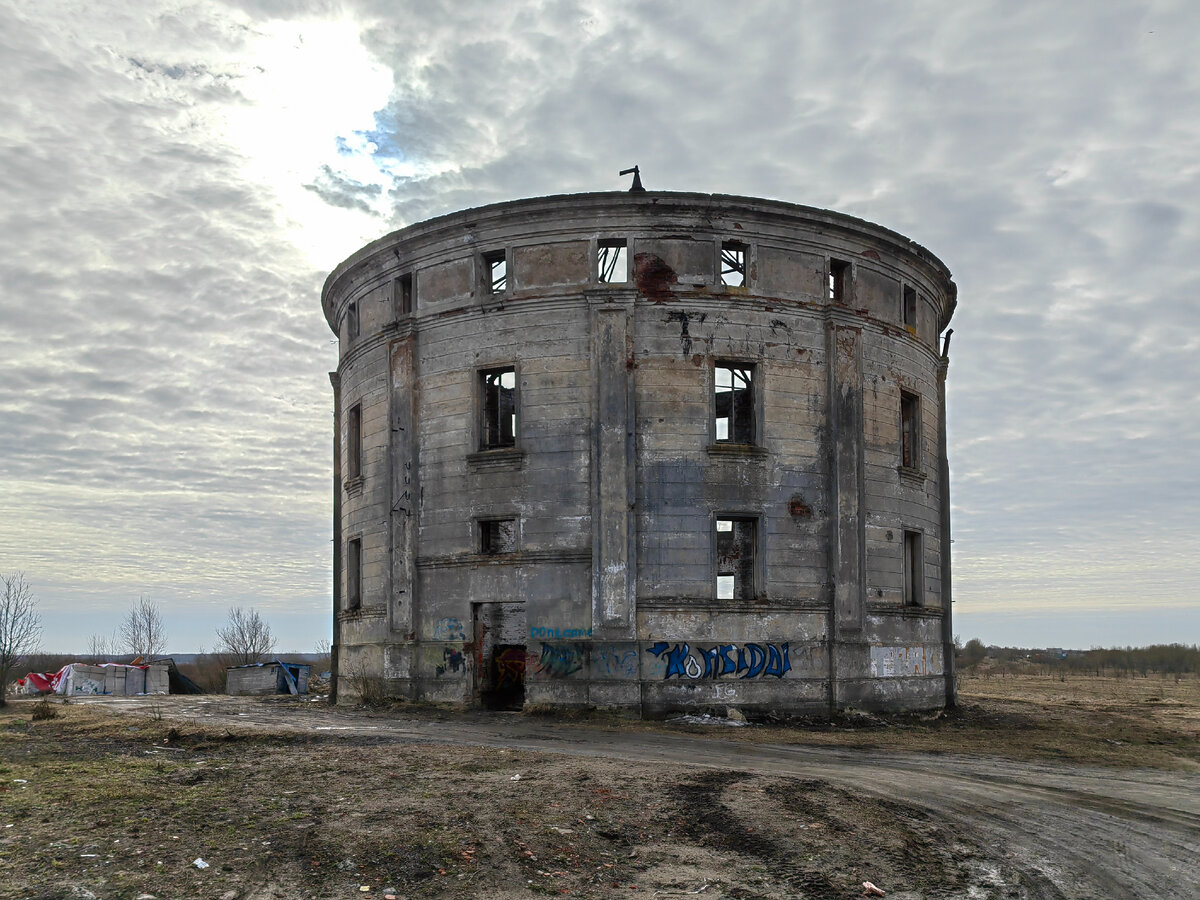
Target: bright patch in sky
{"points": [[314, 91]]}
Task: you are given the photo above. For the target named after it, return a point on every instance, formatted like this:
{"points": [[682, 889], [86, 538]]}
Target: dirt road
{"points": [[1070, 831]]}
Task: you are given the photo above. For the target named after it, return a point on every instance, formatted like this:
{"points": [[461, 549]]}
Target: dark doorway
{"points": [[500, 655], [508, 677]]}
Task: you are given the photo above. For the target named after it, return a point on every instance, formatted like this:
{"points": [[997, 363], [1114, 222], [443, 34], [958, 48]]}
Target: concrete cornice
{"points": [[649, 212]]}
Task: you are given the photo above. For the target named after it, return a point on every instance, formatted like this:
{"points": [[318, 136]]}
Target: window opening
{"points": [[735, 559], [910, 406], [354, 573], [611, 265], [497, 536], [497, 271], [733, 387], [910, 307], [499, 409], [733, 264], [404, 294], [839, 272], [354, 442], [914, 576], [352, 321]]}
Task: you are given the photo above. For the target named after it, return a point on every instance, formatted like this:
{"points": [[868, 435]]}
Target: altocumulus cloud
{"points": [[179, 179]]}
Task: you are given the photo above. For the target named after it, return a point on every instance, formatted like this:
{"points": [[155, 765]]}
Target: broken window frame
{"points": [[908, 308], [404, 297], [734, 260], [495, 272], [735, 556], [498, 424], [354, 446], [910, 430], [913, 568], [742, 429], [838, 281], [354, 573], [352, 323], [497, 537], [612, 261]]}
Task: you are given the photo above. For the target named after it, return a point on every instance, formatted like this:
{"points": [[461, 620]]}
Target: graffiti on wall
{"points": [[746, 661], [895, 662], [510, 667], [451, 660], [559, 661], [614, 661], [546, 633], [449, 629]]}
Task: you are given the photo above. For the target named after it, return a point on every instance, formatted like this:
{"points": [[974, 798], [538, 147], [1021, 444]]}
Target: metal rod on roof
{"points": [[637, 179]]}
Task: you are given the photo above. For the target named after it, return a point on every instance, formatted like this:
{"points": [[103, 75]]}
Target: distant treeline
{"points": [[1159, 659]]}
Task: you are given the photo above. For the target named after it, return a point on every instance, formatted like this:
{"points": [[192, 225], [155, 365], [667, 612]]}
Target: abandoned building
{"points": [[649, 451]]}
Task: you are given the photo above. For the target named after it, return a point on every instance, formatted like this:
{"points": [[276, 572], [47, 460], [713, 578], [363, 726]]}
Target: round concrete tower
{"points": [[650, 451]]}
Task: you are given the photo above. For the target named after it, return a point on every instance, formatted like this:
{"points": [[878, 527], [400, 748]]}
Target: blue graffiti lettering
{"points": [[677, 658], [560, 661], [545, 633], [614, 662], [778, 663], [747, 661], [758, 659]]}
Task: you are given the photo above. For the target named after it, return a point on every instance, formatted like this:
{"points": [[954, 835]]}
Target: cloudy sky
{"points": [[178, 176]]}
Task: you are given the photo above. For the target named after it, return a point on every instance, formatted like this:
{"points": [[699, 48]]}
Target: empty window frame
{"points": [[914, 570], [734, 403], [495, 272], [352, 321], [735, 546], [839, 281], [404, 297], [354, 467], [910, 430], [612, 262], [497, 536], [733, 264], [354, 573], [909, 308], [497, 408]]}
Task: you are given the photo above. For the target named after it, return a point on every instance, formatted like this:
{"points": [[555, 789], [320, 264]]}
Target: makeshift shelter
{"points": [[274, 677], [75, 679], [179, 683]]}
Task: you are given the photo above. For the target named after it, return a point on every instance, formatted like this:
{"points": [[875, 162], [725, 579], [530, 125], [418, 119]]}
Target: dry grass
{"points": [[111, 806], [1101, 721]]}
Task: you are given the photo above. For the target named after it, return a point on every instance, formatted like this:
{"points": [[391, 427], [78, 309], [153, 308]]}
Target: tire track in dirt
{"points": [[1070, 831]]}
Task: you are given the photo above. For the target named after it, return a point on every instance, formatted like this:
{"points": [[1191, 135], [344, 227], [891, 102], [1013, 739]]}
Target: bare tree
{"points": [[102, 648], [20, 625], [245, 637], [142, 631]]}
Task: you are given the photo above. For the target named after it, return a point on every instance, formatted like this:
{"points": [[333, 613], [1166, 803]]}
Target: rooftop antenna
{"points": [[637, 180]]}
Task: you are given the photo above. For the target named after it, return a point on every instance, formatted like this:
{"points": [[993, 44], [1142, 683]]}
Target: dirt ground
{"points": [[120, 798]]}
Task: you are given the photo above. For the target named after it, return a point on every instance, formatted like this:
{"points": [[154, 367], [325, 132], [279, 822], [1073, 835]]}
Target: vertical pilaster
{"points": [[613, 466], [336, 382], [945, 535], [847, 525], [403, 487]]}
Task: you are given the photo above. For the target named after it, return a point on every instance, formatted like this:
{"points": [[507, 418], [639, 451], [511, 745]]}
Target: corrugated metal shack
{"points": [[274, 677]]}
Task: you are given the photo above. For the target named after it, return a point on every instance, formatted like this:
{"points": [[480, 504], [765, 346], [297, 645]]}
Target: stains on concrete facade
{"points": [[652, 451]]}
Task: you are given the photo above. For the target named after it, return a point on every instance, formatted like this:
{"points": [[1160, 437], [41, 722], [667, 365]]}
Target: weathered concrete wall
{"points": [[251, 680], [617, 476]]}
